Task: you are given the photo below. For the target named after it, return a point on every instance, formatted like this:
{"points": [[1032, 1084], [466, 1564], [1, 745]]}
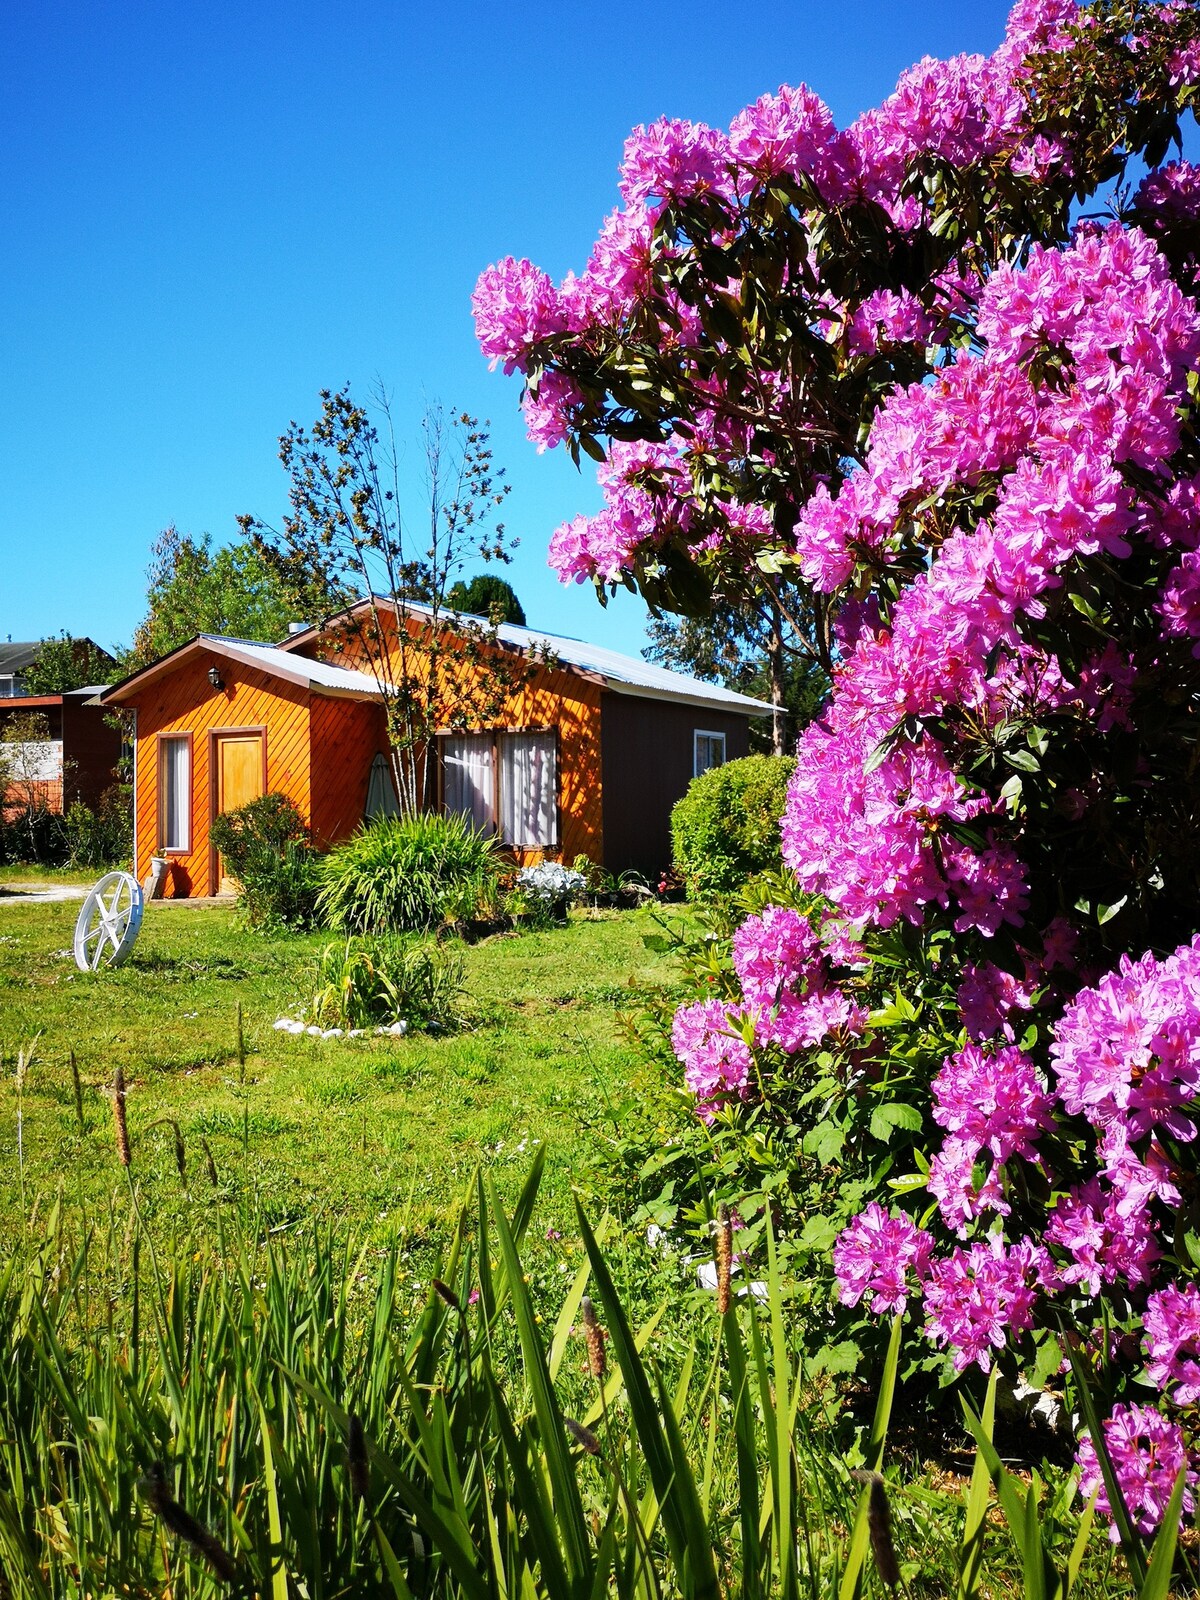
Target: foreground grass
{"points": [[362, 1132]]}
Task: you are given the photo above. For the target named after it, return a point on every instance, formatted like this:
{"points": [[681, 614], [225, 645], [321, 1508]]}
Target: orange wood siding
{"points": [[345, 737], [553, 698], [185, 702]]}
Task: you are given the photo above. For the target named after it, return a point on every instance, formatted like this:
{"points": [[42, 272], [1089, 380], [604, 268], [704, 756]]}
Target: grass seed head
{"points": [[583, 1436], [723, 1251], [356, 1458], [593, 1334], [180, 1522], [120, 1126], [446, 1293], [879, 1525]]}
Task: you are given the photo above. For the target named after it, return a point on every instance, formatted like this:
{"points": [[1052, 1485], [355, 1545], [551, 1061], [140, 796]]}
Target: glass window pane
{"points": [[469, 778], [529, 790], [709, 751], [175, 761]]}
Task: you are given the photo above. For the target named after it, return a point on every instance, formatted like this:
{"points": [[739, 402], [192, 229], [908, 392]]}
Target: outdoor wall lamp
{"points": [[214, 677]]}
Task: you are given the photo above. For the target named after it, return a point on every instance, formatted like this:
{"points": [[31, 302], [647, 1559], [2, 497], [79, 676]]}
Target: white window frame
{"points": [[707, 733], [183, 846]]}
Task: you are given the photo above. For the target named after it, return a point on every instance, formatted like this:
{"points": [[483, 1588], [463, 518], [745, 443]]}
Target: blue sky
{"points": [[216, 210]]}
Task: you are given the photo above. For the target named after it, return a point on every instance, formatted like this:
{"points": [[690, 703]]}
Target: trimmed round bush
{"points": [[726, 827], [396, 874]]}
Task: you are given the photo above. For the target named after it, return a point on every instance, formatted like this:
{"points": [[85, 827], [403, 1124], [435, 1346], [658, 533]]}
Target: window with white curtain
{"points": [[519, 800], [469, 777], [529, 790], [175, 793]]}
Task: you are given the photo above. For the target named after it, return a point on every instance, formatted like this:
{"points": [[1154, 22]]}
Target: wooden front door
{"points": [[239, 779]]}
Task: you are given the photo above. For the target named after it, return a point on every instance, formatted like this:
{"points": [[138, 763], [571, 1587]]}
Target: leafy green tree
{"points": [[65, 663], [192, 588], [740, 648], [487, 595]]}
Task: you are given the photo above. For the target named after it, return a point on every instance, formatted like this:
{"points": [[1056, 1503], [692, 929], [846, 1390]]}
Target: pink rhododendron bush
{"points": [[933, 380]]}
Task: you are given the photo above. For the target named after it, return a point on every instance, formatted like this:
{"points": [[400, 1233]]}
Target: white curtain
{"points": [[470, 777], [176, 793], [529, 790]]}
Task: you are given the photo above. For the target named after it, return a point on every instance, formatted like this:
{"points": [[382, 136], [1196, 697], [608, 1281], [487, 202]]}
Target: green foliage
{"points": [[806, 1150], [750, 653], [407, 874], [264, 845], [192, 588], [487, 595], [726, 827], [33, 835], [103, 837], [370, 983], [277, 1418], [65, 663]]}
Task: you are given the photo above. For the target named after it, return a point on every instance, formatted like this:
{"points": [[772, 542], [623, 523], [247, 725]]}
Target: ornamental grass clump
{"points": [[368, 983], [407, 874]]}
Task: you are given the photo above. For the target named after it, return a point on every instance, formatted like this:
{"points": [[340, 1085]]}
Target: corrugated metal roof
{"points": [[285, 664], [317, 675], [621, 673]]}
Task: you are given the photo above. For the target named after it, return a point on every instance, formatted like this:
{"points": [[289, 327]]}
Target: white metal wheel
{"points": [[108, 922]]}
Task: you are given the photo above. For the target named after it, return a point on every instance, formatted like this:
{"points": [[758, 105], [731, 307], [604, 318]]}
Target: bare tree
{"points": [[383, 582]]}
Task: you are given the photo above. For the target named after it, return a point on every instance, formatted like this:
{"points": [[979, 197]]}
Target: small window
{"points": [[708, 751], [175, 792], [529, 790]]}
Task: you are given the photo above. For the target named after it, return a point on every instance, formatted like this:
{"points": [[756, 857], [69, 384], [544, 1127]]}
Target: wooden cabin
{"points": [[586, 757]]}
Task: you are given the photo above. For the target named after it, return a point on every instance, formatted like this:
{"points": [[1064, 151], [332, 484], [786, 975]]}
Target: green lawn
{"points": [[364, 1132]]}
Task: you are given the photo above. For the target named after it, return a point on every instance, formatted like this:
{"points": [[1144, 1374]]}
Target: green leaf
{"points": [[894, 1115], [279, 1581], [1162, 1557], [826, 1141]]}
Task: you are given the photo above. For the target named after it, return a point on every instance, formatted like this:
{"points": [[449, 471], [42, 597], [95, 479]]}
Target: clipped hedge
{"points": [[726, 827]]}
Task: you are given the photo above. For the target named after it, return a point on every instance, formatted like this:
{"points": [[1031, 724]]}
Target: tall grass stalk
{"points": [[286, 1415]]}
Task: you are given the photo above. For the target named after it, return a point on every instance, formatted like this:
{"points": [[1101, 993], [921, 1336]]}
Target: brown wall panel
{"points": [[647, 766]]}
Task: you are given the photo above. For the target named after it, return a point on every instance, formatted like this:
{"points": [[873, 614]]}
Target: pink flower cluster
{"points": [[868, 834], [716, 1059], [879, 1258], [977, 1300], [1127, 1052], [989, 1103], [782, 968], [1148, 1453]]}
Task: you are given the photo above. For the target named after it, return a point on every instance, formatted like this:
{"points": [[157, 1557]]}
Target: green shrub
{"points": [[407, 874], [375, 982], [103, 837], [726, 827], [265, 847], [34, 836]]}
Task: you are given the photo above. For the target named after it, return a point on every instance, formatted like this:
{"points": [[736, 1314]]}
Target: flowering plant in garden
{"points": [[550, 884], [898, 374]]}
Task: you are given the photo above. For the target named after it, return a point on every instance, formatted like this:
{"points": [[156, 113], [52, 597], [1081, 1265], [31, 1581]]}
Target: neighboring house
{"points": [[76, 761], [17, 658], [587, 759], [78, 758]]}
